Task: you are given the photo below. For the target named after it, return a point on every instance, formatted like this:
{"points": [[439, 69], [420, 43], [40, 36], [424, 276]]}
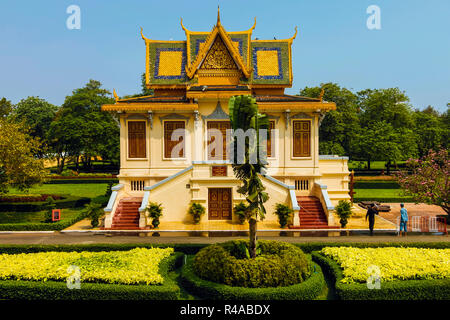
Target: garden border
{"points": [[54, 290], [390, 290], [307, 290], [193, 248], [69, 201]]}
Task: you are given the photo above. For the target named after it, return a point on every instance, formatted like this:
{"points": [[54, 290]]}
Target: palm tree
{"points": [[244, 115]]}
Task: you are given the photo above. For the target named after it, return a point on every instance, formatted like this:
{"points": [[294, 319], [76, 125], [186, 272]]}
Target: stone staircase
{"points": [[312, 215], [127, 214]]}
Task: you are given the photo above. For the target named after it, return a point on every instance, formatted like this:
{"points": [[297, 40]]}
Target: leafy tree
{"points": [[445, 120], [37, 114], [5, 107], [429, 130], [18, 166], [82, 130], [390, 105], [339, 127], [429, 179], [380, 141], [244, 116], [386, 126]]}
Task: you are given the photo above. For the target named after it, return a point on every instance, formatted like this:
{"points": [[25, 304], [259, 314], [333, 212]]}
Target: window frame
{"points": [[145, 140], [164, 139]]}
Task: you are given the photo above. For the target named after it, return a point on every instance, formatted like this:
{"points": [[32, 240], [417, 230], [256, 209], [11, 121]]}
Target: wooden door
{"points": [[219, 204], [222, 126]]}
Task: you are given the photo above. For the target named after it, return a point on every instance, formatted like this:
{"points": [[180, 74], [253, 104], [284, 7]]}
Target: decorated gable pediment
{"points": [[218, 58]]}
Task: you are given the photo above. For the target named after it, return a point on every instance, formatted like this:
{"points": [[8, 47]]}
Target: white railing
{"points": [[424, 224], [112, 205], [292, 196], [325, 201]]}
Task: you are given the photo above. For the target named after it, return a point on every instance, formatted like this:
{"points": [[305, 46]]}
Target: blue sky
{"points": [[40, 56]]}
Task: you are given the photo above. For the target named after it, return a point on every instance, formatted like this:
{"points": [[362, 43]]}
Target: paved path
{"points": [[78, 238]]}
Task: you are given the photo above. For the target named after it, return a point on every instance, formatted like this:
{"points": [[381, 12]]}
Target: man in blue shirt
{"points": [[403, 218]]}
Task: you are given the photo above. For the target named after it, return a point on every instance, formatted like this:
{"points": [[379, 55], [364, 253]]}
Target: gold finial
{"points": [[295, 34], [218, 15], [322, 92], [115, 95], [253, 27], [182, 26], [142, 35]]}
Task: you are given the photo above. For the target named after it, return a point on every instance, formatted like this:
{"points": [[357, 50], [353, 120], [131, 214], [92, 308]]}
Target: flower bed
{"points": [[394, 263], [428, 289], [136, 266]]}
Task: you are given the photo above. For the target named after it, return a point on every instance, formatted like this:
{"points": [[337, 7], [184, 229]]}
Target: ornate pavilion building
{"points": [[192, 81]]}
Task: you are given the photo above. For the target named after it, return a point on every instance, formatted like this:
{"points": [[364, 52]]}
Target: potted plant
{"points": [[284, 214], [94, 212], [240, 210], [196, 210], [154, 211], [344, 211]]}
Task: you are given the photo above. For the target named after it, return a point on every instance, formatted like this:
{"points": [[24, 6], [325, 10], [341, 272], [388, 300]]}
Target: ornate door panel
{"points": [[219, 204]]}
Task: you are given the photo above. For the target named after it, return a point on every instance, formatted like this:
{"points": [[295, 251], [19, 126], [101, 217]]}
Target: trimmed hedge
{"points": [[68, 201], [307, 290], [193, 248], [278, 264], [55, 226], [385, 200], [390, 290], [380, 184], [84, 181], [54, 290], [32, 248]]}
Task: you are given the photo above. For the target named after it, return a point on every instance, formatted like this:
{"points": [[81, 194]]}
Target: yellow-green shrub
{"points": [[394, 263], [137, 266]]}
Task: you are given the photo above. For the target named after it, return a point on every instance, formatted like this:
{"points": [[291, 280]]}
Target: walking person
{"points": [[371, 212], [403, 219]]}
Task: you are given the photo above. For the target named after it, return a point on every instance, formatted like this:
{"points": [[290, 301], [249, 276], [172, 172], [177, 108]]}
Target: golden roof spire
{"points": [[218, 15]]}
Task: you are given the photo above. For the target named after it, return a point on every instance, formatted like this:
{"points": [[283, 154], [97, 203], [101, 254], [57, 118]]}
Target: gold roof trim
{"points": [[297, 105], [150, 106]]}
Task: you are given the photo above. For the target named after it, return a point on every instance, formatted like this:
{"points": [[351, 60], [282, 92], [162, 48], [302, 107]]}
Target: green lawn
{"points": [[95, 191], [379, 193], [36, 217], [90, 190], [382, 191], [374, 165]]}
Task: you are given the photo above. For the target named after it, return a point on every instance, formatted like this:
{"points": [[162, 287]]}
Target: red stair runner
{"points": [[127, 214], [311, 214]]}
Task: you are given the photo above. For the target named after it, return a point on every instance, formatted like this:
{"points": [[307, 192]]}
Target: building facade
{"points": [[171, 149]]}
